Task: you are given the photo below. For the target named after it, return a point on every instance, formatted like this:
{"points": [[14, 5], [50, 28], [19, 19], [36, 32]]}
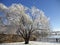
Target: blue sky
{"points": [[51, 9]]}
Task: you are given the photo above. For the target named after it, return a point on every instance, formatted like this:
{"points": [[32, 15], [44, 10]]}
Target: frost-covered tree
{"points": [[32, 17]]}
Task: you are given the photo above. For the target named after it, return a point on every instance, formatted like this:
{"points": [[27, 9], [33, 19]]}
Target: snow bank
{"points": [[31, 43]]}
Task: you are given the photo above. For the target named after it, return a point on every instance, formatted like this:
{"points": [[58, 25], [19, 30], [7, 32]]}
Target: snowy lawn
{"points": [[31, 43]]}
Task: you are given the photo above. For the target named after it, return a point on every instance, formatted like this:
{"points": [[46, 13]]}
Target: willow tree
{"points": [[16, 15]]}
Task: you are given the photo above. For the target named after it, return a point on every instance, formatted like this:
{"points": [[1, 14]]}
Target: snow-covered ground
{"points": [[31, 43]]}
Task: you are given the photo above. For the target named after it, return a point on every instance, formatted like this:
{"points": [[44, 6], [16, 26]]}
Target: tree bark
{"points": [[26, 41]]}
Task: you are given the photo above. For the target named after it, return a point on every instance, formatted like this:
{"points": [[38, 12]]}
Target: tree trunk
{"points": [[26, 41]]}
